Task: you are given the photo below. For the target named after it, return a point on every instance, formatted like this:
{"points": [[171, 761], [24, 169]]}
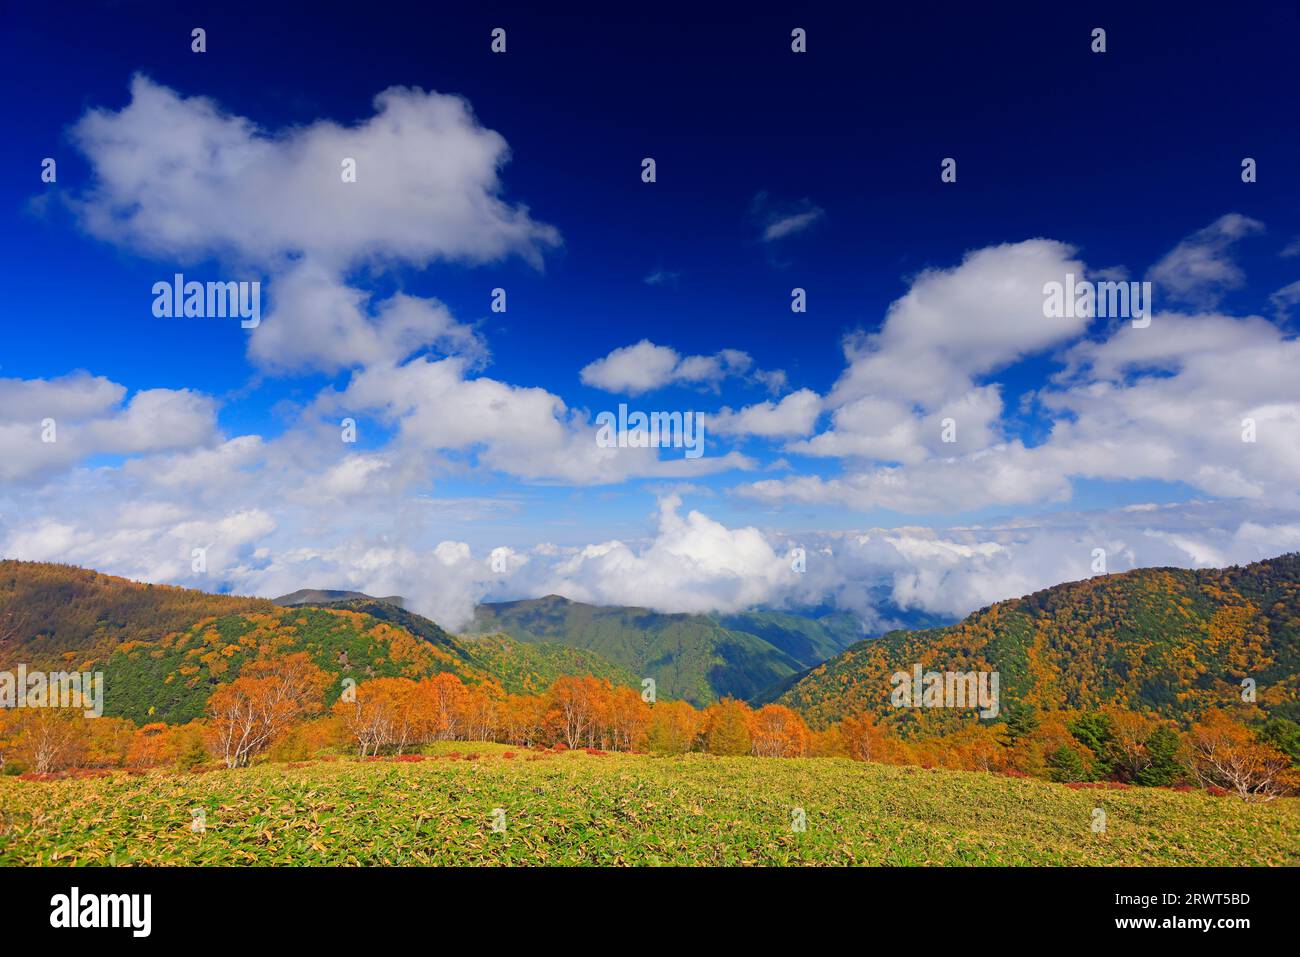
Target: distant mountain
{"points": [[696, 657], [808, 640], [1167, 640], [530, 667], [322, 596]]}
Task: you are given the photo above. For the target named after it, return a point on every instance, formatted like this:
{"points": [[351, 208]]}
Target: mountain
{"points": [[530, 667], [53, 615], [163, 650], [170, 679], [808, 640], [1168, 640], [699, 658], [323, 596]]}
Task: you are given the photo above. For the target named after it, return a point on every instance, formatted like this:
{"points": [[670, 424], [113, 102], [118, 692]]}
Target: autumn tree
{"points": [[778, 732], [674, 727], [629, 717], [382, 712], [479, 713], [246, 715], [726, 727], [573, 708], [866, 739], [1226, 754], [442, 698], [522, 718], [975, 748], [49, 739], [827, 743]]}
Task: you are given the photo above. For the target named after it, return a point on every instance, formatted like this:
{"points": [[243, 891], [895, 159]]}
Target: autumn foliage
{"points": [[273, 710]]}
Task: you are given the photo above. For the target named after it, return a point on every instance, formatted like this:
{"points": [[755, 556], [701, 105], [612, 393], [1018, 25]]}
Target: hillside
{"points": [[170, 679], [53, 615], [530, 667], [1167, 640], [698, 658], [163, 649]]}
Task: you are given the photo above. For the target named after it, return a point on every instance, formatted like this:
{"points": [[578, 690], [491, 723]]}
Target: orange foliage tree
{"points": [[1226, 754], [777, 732], [269, 695]]}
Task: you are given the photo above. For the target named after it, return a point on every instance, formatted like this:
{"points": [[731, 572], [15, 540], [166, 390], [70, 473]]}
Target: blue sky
{"points": [[775, 170]]}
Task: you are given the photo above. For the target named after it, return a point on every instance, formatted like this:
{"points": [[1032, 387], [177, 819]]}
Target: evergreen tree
{"points": [[1022, 721], [1064, 764], [1093, 730], [1165, 768]]}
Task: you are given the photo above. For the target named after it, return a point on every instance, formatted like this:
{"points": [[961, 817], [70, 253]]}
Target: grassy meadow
{"points": [[577, 808]]}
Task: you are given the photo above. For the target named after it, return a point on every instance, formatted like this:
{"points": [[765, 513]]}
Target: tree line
{"points": [[276, 710]]}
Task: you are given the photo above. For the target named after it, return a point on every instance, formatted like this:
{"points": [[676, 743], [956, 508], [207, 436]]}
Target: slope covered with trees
{"points": [[59, 615], [1168, 641], [524, 667], [171, 679], [698, 658]]}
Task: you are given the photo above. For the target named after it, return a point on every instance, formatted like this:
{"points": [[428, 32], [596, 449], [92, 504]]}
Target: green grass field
{"points": [[577, 808]]}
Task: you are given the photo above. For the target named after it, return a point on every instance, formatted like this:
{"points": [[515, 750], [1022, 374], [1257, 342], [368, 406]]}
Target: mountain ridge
{"points": [[1171, 641]]}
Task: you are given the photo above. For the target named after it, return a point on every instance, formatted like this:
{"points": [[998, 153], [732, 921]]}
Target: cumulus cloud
{"points": [[1202, 399], [179, 180], [47, 425], [910, 392], [177, 177], [795, 414], [525, 432], [319, 322], [694, 564], [955, 324], [645, 366]]}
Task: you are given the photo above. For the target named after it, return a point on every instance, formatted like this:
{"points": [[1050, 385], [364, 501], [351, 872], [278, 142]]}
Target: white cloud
{"points": [[779, 221], [1200, 269], [89, 418], [795, 414], [525, 432], [318, 322], [645, 366], [179, 180], [177, 177], [694, 564], [955, 324]]}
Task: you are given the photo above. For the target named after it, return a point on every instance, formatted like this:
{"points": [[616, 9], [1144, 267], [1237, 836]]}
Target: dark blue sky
{"points": [[1120, 155]]}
